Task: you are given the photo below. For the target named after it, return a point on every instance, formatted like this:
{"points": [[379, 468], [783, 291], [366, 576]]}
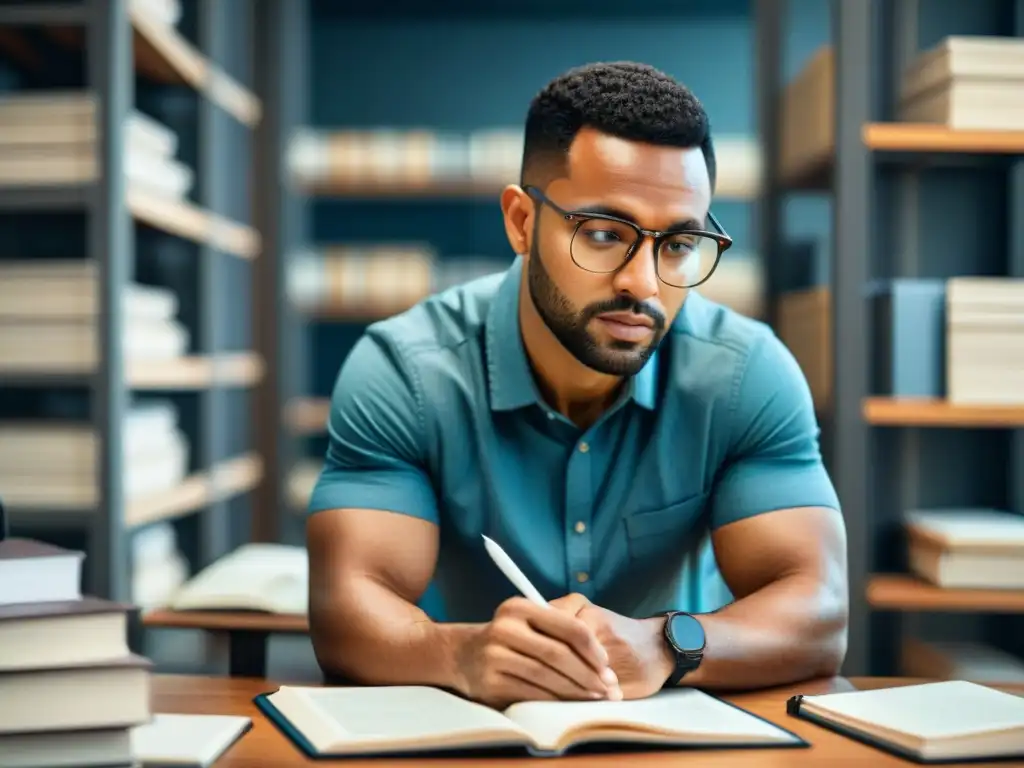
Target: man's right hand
{"points": [[529, 652]]}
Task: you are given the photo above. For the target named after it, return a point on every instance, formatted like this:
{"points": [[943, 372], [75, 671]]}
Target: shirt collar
{"points": [[510, 379]]}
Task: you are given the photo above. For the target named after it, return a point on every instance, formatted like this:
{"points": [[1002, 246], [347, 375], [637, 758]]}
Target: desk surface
{"points": [[265, 747]]}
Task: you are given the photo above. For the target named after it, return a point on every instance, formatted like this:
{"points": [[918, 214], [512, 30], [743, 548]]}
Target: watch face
{"points": [[686, 632]]}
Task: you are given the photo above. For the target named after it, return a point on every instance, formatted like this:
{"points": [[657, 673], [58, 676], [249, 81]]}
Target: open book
{"points": [[927, 723], [342, 721]]}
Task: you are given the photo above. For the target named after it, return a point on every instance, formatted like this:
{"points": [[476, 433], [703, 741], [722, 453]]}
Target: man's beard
{"points": [[569, 326]]}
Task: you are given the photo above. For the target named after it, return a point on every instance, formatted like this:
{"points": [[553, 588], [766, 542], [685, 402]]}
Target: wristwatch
{"points": [[685, 637]]}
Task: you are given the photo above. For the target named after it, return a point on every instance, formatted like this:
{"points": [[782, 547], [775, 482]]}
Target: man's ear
{"points": [[518, 211]]}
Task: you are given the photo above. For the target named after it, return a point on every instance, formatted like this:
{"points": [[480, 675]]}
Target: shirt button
{"points": [[584, 447], [582, 577], [580, 526], [551, 416]]}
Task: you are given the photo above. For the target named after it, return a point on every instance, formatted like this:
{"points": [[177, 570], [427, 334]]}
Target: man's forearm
{"points": [[791, 630], [373, 636]]}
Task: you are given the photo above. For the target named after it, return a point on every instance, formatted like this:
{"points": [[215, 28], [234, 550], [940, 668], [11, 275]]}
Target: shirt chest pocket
{"points": [[657, 531]]}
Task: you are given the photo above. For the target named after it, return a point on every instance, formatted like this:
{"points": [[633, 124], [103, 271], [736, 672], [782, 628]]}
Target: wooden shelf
{"points": [[923, 412], [239, 369], [225, 480], [907, 593], [357, 312], [451, 188], [921, 137], [307, 415], [185, 219]]}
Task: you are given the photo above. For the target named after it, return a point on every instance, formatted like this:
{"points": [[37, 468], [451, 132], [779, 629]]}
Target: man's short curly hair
{"points": [[631, 101]]}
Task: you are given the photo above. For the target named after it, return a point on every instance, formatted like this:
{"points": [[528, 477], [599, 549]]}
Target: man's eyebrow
{"points": [[610, 210]]}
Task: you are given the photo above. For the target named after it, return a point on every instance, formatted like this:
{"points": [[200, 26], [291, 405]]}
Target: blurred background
{"points": [[203, 204]]}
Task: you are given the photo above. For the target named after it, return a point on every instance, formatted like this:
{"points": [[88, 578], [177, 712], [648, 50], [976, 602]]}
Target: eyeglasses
{"points": [[602, 243]]}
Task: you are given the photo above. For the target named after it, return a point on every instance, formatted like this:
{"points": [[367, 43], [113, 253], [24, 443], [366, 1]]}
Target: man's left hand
{"points": [[637, 650]]}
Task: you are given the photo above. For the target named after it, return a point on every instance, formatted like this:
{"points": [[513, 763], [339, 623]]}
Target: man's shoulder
{"points": [[712, 344], [441, 322]]}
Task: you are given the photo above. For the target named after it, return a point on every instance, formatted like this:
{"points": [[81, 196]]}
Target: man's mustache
{"points": [[626, 304]]}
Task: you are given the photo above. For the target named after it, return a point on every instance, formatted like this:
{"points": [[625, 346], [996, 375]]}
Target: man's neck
{"points": [[579, 393]]}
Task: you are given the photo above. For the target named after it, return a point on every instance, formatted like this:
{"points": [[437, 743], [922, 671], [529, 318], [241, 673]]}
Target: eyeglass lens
{"points": [[683, 260]]}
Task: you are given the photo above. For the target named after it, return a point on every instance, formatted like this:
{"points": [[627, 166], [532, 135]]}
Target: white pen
{"points": [[512, 572]]}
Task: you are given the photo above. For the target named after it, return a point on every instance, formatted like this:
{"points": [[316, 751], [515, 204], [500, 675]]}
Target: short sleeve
{"points": [[774, 461], [376, 439]]}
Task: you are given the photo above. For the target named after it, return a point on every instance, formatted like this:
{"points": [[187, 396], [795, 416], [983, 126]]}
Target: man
{"points": [[596, 417]]}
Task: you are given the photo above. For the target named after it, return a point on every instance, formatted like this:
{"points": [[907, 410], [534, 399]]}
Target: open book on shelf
{"points": [[952, 720], [344, 721]]}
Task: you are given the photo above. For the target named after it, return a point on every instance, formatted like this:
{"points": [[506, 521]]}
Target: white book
{"points": [[949, 720], [344, 721], [195, 741], [967, 548]]}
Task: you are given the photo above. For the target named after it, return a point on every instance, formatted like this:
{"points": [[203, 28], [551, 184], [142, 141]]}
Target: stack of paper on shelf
{"points": [[164, 12], [70, 689], [159, 569], [985, 340], [967, 83], [48, 314], [53, 466], [255, 577], [48, 138], [967, 548]]}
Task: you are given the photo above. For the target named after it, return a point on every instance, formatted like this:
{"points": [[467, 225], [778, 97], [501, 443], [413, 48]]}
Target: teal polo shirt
{"points": [[436, 414]]}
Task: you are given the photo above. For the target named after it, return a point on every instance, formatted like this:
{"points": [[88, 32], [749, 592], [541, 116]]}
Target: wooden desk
{"points": [[265, 747], [248, 633]]}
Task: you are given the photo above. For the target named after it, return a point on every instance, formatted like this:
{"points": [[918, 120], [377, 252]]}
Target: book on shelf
{"points": [[966, 83], [165, 12], [984, 330], [273, 578], [49, 138], [348, 721], [953, 720], [964, 548], [53, 464], [482, 161]]}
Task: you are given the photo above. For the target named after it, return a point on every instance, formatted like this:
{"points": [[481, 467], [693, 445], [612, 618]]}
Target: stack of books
{"points": [[967, 83], [48, 138], [962, 548], [51, 466], [71, 691], [48, 313], [985, 340]]}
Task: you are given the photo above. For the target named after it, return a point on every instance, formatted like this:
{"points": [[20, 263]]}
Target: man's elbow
{"points": [[832, 637]]}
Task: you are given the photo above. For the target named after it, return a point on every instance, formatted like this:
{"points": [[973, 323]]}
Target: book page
{"points": [[684, 716], [348, 720]]}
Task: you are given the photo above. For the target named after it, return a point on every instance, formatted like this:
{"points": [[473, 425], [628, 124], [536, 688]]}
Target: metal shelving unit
{"points": [[873, 177], [124, 50], [283, 84]]}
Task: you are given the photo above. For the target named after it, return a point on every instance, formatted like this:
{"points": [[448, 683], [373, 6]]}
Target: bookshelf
{"points": [[892, 187], [191, 75]]}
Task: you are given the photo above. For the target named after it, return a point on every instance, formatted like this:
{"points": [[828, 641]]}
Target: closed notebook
{"points": [[342, 721], [949, 721], [190, 741]]}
